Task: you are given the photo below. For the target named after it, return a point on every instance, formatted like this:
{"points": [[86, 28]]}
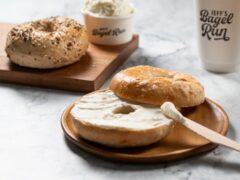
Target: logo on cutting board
{"points": [[214, 24]]}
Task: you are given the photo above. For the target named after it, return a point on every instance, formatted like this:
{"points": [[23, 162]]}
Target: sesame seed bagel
{"points": [[146, 84], [48, 43]]}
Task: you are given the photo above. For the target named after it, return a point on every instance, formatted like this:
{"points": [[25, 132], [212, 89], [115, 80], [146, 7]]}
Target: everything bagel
{"points": [[48, 43]]}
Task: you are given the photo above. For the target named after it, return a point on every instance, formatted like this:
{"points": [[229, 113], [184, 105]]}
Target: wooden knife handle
{"points": [[211, 135]]}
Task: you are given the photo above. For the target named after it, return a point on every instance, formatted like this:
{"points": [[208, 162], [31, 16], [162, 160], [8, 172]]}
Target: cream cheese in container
{"points": [[109, 22]]}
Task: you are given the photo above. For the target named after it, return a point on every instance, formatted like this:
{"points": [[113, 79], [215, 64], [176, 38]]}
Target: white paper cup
{"points": [[218, 24], [109, 30]]}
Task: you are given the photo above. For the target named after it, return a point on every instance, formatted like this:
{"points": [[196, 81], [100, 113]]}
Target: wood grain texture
{"points": [[181, 142], [86, 75]]}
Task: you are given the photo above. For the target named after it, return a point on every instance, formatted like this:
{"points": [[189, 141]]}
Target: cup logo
{"points": [[214, 24], [101, 32]]}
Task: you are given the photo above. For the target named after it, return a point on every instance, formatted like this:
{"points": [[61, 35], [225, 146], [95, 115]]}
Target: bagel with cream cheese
{"points": [[151, 85], [48, 43], [104, 118]]}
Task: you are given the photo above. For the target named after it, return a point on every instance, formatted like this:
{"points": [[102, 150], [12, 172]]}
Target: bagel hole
{"points": [[125, 109], [49, 27], [156, 75], [44, 26], [182, 79]]}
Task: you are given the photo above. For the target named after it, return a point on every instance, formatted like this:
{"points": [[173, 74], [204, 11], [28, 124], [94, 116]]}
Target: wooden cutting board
{"points": [[86, 75]]}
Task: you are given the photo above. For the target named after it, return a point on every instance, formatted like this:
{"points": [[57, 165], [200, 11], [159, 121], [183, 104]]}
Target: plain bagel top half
{"points": [[150, 85]]}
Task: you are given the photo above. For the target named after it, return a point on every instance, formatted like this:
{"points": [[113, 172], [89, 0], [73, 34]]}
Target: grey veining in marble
{"points": [[32, 145]]}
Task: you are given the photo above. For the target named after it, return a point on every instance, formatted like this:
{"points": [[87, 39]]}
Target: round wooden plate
{"points": [[181, 142]]}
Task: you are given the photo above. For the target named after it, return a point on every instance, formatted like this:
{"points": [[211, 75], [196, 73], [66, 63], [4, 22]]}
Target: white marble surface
{"points": [[32, 145]]}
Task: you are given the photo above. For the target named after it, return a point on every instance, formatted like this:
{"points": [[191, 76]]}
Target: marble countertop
{"points": [[32, 144]]}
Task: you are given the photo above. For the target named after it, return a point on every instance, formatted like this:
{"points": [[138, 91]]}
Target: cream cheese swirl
{"points": [[105, 109]]}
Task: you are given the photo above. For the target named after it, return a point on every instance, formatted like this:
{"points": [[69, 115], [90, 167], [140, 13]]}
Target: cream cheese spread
{"points": [[170, 111], [105, 109], [105, 8]]}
